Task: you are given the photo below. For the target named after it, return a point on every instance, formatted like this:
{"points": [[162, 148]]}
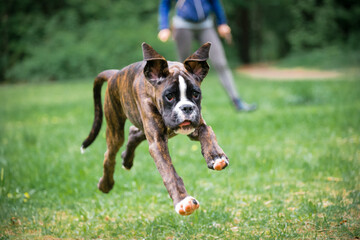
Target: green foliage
{"points": [[98, 46], [268, 23], [279, 28], [83, 38], [293, 174], [51, 40], [314, 25]]}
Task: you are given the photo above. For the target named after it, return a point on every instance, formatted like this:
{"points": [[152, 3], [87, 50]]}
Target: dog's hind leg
{"points": [[136, 136], [114, 139]]}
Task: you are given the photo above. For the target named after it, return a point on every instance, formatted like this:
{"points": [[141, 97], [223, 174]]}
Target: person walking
{"points": [[193, 20]]}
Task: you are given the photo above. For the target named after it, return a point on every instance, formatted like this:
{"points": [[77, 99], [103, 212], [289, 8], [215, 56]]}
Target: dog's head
{"points": [[177, 87]]}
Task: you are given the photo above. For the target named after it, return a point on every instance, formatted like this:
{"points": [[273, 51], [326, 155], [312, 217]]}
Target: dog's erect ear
{"points": [[156, 68], [196, 63]]}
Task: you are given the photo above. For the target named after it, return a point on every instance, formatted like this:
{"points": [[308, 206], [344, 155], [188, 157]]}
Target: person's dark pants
{"points": [[184, 39]]}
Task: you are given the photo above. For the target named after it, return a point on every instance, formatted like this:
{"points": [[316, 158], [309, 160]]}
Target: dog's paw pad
{"points": [[187, 206], [220, 164]]}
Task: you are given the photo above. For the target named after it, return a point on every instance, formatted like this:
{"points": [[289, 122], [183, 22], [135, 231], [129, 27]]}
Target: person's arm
{"points": [[223, 28], [219, 12], [164, 9]]}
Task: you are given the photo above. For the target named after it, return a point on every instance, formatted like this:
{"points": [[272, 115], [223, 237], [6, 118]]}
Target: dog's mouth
{"points": [[185, 128], [185, 124]]}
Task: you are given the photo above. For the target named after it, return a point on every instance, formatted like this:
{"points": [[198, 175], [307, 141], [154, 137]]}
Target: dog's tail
{"points": [[98, 112]]}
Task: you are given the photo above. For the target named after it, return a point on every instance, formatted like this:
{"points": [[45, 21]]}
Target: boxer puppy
{"points": [[161, 99]]}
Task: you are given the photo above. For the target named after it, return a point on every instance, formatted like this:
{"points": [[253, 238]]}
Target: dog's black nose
{"points": [[187, 108]]}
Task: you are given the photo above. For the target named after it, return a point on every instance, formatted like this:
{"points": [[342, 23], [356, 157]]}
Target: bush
{"points": [[81, 43], [51, 40], [99, 45]]}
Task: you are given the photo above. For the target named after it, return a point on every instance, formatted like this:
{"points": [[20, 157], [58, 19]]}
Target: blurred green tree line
{"points": [[66, 39]]}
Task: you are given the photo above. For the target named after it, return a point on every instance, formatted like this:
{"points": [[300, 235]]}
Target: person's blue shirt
{"points": [[191, 10]]}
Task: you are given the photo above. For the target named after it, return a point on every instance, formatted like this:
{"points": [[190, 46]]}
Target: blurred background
{"points": [[294, 163], [45, 40]]}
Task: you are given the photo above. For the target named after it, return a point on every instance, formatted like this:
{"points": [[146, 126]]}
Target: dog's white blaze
{"points": [[182, 87], [183, 101]]}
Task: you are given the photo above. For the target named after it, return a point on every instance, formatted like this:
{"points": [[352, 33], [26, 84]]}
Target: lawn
{"points": [[294, 167]]}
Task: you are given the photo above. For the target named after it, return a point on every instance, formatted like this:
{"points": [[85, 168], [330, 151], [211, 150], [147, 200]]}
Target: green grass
{"points": [[331, 57], [294, 167]]}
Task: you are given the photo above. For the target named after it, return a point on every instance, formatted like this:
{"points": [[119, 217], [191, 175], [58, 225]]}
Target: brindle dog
{"points": [[161, 99]]}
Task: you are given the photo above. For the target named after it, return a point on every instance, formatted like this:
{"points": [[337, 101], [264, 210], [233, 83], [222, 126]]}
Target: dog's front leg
{"points": [[215, 157], [157, 138]]}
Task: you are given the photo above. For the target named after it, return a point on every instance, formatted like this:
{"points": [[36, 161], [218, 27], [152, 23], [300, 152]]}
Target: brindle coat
{"points": [[136, 93]]}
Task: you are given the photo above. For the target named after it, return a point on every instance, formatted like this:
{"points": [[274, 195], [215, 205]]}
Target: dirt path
{"points": [[272, 73]]}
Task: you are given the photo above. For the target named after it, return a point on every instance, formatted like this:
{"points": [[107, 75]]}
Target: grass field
{"points": [[294, 167]]}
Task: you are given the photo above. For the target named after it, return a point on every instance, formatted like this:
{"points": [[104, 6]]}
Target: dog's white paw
{"points": [[220, 163], [187, 206]]}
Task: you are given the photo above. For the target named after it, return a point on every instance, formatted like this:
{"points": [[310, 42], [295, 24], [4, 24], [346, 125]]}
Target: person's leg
{"points": [[218, 60], [183, 39]]}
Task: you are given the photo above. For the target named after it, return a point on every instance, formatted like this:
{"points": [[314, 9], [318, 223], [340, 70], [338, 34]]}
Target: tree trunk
{"points": [[243, 38]]}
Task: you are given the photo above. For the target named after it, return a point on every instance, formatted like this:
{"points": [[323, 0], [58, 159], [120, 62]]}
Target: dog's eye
{"points": [[170, 97], [196, 95]]}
